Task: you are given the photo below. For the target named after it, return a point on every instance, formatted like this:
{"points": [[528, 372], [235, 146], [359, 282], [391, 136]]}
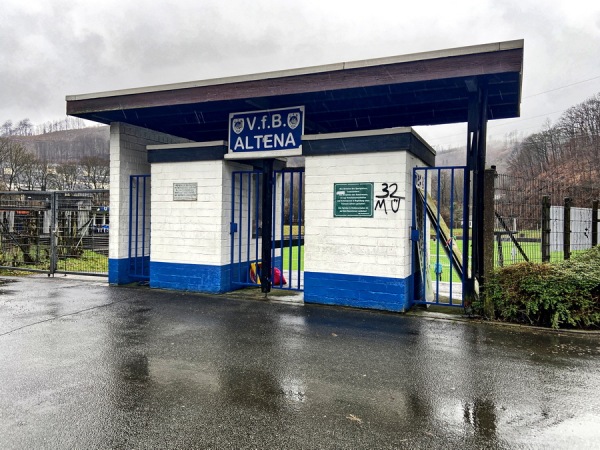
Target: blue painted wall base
{"points": [[118, 271], [128, 270], [388, 294], [359, 291], [190, 277]]}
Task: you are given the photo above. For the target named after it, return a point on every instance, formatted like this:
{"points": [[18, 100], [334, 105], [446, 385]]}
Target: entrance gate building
{"points": [[218, 153]]}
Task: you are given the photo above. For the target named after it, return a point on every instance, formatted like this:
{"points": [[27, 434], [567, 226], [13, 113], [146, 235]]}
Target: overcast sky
{"points": [[53, 48]]}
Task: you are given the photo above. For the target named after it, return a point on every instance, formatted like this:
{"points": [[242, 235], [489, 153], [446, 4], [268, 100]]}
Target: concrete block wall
{"points": [[188, 236], [128, 156], [362, 262], [187, 231]]}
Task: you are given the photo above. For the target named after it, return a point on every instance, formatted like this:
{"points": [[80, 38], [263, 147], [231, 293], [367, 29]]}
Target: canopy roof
{"points": [[419, 89]]}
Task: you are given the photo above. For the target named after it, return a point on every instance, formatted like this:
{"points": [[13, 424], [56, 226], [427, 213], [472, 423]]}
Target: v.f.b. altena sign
{"points": [[274, 129]]}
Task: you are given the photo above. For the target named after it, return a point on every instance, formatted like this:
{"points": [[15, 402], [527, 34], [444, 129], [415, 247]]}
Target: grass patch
{"points": [[14, 273], [88, 262], [510, 254], [294, 260]]}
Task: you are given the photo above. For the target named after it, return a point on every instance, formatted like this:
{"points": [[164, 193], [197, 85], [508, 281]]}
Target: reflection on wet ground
{"points": [[481, 415], [86, 365]]}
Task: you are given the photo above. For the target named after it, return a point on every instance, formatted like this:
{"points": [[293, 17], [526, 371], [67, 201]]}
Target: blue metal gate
{"points": [[139, 227], [287, 243], [440, 235]]}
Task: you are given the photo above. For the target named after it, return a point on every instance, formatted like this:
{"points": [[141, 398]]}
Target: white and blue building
{"points": [[176, 150]]}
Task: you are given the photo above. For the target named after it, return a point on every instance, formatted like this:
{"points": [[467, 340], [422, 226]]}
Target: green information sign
{"points": [[353, 200]]}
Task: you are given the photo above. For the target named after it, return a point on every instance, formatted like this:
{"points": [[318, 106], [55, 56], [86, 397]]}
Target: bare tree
{"points": [[4, 144], [67, 175], [96, 171], [28, 178], [572, 144], [24, 128], [7, 128], [43, 174], [14, 160]]}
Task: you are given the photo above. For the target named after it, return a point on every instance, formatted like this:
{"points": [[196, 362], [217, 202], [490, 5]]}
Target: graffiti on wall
{"points": [[388, 199]]}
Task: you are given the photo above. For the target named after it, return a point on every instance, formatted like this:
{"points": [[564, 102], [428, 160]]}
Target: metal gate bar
{"points": [[287, 239], [246, 228], [434, 199], [139, 236]]}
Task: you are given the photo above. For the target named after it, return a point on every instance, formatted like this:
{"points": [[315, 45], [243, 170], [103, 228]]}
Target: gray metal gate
{"points": [[440, 235], [55, 231]]}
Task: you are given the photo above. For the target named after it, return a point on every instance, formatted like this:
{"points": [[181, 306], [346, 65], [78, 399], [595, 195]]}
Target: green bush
{"points": [[562, 294]]}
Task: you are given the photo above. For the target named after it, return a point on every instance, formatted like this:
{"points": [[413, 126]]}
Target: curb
{"points": [[457, 318]]}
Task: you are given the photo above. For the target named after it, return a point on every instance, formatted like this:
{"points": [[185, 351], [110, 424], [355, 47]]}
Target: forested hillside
{"points": [[62, 154], [563, 155], [69, 145], [568, 150]]}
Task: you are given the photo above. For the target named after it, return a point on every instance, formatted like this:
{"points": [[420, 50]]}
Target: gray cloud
{"points": [[51, 49]]}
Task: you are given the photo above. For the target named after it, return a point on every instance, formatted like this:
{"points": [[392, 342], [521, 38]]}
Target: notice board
{"points": [[353, 200]]}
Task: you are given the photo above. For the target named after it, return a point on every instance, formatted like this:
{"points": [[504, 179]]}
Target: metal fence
{"points": [[55, 231], [542, 220], [440, 233], [285, 222]]}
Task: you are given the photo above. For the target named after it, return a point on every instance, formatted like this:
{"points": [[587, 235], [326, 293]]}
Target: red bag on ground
{"points": [[278, 278]]}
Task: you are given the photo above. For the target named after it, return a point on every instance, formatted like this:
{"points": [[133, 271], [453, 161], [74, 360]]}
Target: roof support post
{"points": [[267, 224], [476, 150]]}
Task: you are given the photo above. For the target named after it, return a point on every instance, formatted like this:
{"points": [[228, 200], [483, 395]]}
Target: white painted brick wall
{"points": [[188, 232], [128, 156], [377, 246]]}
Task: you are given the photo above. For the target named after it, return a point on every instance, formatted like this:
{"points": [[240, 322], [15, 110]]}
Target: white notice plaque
{"points": [[185, 192]]}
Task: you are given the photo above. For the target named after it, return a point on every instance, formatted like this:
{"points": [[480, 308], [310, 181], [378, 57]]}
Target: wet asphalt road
{"points": [[84, 365]]}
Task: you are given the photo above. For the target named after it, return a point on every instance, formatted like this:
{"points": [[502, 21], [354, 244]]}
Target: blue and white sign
{"points": [[273, 129]]}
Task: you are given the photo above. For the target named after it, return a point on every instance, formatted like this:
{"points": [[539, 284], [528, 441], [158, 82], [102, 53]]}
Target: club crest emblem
{"points": [[238, 125], [293, 120]]}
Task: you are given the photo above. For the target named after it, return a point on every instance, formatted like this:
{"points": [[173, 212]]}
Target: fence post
{"points": [[489, 178], [595, 223], [545, 228], [567, 228], [53, 232]]}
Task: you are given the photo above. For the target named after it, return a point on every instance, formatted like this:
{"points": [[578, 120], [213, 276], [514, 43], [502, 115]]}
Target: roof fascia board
{"points": [[417, 71], [424, 56]]}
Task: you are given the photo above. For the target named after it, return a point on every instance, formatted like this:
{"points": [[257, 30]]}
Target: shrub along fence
{"points": [[541, 221], [55, 231], [559, 294]]}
